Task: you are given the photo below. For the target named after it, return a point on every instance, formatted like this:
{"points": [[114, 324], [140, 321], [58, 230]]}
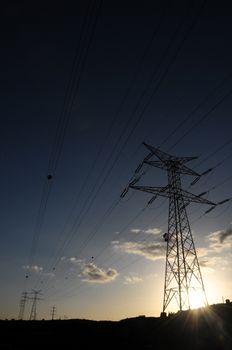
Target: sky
{"points": [[82, 86]]}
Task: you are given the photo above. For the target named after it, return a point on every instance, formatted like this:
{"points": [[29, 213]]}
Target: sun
{"points": [[196, 299]]}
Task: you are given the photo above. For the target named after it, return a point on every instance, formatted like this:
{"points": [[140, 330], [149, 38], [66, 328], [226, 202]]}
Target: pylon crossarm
{"points": [[182, 169], [193, 198], [144, 161], [156, 164], [166, 191], [182, 268], [161, 191], [199, 195], [165, 156], [187, 171], [158, 153]]}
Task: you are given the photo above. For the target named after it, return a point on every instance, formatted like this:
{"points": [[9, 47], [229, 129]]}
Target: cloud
{"points": [[132, 279], [215, 256], [149, 231], [211, 262], [93, 274], [214, 262], [224, 235], [33, 268], [135, 230], [220, 240], [71, 260], [115, 242], [38, 269], [152, 231], [151, 251], [202, 252]]}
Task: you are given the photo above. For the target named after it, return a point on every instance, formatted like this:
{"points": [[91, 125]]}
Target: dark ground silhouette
{"points": [[209, 328]]}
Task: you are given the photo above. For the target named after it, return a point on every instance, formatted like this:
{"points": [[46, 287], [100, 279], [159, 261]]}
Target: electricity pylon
{"points": [[182, 271], [23, 301], [35, 298], [53, 312]]}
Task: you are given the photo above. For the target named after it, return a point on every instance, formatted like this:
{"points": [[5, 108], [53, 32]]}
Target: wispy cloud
{"points": [[93, 274], [33, 268], [225, 234], [132, 279], [135, 230], [202, 252], [115, 242], [216, 255], [152, 231], [151, 251], [211, 262], [38, 270], [220, 240], [89, 272], [71, 260], [149, 231]]}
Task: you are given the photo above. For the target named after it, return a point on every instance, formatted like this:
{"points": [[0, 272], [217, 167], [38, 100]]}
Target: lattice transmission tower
{"points": [[183, 277], [34, 299], [53, 312], [22, 305]]}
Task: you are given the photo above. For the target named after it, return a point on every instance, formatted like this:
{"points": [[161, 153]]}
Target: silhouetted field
{"points": [[209, 328]]}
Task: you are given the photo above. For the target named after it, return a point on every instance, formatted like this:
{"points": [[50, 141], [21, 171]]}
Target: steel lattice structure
{"points": [[182, 271], [35, 298], [23, 301]]}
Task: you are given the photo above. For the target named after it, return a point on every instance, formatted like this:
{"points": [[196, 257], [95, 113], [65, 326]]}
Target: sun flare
{"points": [[196, 299]]}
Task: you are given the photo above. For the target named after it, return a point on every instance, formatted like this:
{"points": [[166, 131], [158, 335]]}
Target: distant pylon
{"points": [[23, 301], [183, 277], [34, 299], [53, 312]]}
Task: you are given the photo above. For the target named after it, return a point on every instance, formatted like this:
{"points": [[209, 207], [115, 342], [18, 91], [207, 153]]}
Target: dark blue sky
{"points": [[157, 71]]}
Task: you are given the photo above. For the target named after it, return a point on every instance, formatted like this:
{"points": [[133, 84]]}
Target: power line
{"points": [[201, 104], [182, 269], [57, 144], [70, 96], [221, 147], [207, 192], [213, 153], [135, 260], [119, 259], [140, 116], [203, 118], [135, 75]]}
